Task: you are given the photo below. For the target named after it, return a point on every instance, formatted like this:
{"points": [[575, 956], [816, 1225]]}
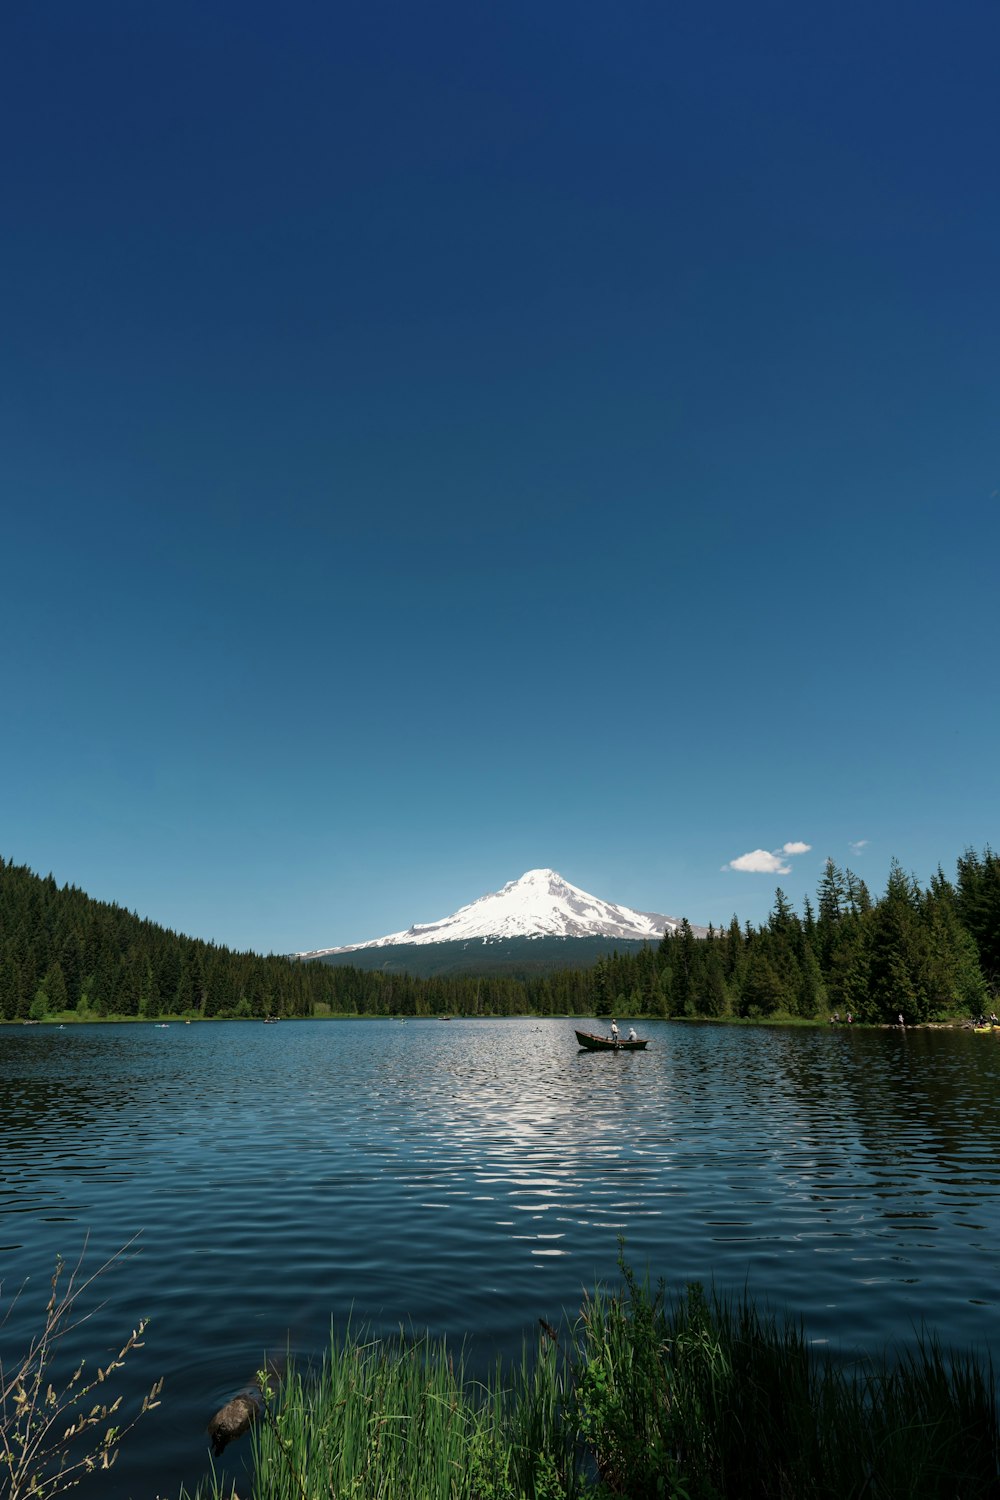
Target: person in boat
{"points": [[899, 1019], [631, 1034], [614, 1029]]}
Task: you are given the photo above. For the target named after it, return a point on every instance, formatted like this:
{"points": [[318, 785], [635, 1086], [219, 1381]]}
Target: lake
{"points": [[471, 1176]]}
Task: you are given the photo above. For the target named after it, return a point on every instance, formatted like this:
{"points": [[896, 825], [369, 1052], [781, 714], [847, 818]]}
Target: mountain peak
{"points": [[538, 904], [543, 878]]}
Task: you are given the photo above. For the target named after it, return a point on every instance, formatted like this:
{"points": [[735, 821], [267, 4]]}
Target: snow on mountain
{"points": [[540, 904]]}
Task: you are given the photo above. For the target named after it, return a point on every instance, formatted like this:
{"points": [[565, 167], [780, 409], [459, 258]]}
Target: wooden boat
{"points": [[591, 1043]]}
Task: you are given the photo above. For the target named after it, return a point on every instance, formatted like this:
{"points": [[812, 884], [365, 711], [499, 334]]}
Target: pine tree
{"points": [[602, 988], [978, 906], [954, 976], [54, 986], [71, 963], [733, 957], [898, 955], [859, 901], [831, 901], [763, 991], [714, 994], [684, 975], [9, 989], [810, 997]]}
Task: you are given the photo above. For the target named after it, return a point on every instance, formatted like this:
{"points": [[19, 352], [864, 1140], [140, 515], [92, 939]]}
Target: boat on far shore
{"points": [[590, 1042]]}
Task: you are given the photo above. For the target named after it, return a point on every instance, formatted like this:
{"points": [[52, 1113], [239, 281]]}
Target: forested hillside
{"points": [[515, 958], [928, 953]]}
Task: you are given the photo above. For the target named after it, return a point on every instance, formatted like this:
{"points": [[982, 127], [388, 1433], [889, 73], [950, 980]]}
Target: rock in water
{"points": [[235, 1418]]}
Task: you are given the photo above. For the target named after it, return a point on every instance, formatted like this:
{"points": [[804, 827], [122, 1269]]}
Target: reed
{"points": [[387, 1419], [707, 1397], [694, 1398]]}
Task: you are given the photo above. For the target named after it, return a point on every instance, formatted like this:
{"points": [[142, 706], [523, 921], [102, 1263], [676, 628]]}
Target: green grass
{"points": [[707, 1397], [698, 1398], [399, 1418]]}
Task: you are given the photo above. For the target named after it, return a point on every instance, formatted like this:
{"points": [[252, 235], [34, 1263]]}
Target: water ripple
{"points": [[472, 1177]]}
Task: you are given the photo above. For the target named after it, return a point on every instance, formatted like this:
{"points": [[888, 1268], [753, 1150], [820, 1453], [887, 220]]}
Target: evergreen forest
{"points": [[930, 954]]}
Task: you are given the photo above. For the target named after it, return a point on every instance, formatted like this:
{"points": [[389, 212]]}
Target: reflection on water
{"points": [[471, 1177]]}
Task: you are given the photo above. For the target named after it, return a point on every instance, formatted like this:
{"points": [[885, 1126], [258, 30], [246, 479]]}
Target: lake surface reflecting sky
{"points": [[471, 1176]]}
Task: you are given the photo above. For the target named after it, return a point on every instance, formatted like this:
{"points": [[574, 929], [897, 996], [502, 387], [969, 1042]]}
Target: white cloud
{"points": [[759, 862], [858, 844], [768, 861]]}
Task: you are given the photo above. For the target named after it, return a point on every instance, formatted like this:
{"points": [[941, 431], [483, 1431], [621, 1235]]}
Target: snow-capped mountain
{"points": [[540, 904]]}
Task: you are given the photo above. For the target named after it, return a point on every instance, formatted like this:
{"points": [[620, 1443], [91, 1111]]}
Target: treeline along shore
{"points": [[930, 954]]}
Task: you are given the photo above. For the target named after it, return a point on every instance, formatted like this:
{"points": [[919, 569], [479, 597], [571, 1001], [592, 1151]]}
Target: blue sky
{"points": [[441, 441]]}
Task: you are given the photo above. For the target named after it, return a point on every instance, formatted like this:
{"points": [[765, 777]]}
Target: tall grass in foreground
{"points": [[708, 1397], [399, 1420], [697, 1399]]}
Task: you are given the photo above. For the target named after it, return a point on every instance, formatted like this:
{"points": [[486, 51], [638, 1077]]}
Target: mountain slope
{"points": [[539, 905], [518, 958]]}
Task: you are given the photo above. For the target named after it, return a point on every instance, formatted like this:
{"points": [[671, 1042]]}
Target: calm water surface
{"points": [[471, 1176]]}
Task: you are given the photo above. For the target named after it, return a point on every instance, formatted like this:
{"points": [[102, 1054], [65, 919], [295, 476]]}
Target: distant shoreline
{"points": [[799, 1022]]}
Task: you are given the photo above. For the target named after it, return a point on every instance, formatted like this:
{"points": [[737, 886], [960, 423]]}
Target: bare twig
{"points": [[41, 1424]]}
